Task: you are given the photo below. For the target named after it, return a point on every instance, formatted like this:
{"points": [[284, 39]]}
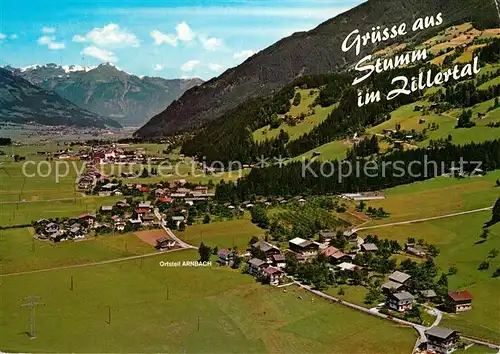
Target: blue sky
{"points": [[168, 38]]}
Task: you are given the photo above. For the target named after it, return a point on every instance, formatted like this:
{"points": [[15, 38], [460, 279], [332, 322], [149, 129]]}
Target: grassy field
{"points": [[210, 309], [182, 170], [438, 196], [32, 181], [25, 212], [222, 234], [321, 113], [354, 294], [457, 239], [409, 119], [329, 151], [20, 252]]}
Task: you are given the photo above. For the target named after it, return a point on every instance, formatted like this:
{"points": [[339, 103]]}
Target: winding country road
{"points": [[422, 220], [170, 233], [116, 260], [419, 328]]}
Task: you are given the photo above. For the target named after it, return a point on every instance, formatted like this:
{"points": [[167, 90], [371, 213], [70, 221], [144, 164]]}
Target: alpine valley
{"points": [[107, 91]]}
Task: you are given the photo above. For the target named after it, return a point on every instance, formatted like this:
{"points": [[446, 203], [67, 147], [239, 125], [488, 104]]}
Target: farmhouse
{"points": [[442, 340], [401, 301], [225, 257], [415, 252], [256, 266], [120, 225], [326, 236], [391, 286], [345, 266], [460, 300], [148, 217], [369, 247], [278, 260], [397, 282], [399, 277], [335, 255], [145, 205], [273, 275], [267, 248], [428, 294], [303, 247], [363, 196], [164, 242]]}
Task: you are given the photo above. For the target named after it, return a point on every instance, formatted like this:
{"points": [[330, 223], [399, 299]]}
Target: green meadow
{"points": [[21, 252], [305, 126], [223, 234], [461, 247], [182, 309], [437, 196]]}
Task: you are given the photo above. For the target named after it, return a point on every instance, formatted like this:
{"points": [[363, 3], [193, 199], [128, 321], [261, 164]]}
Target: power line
{"points": [[32, 304]]}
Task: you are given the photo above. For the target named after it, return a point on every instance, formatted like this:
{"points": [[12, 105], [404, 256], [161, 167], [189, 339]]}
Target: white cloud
{"points": [[190, 65], [101, 54], [56, 45], [14, 36], [215, 67], [2, 36], [164, 38], [48, 30], [244, 54], [45, 40], [50, 42], [158, 67], [79, 39], [184, 32], [110, 35], [212, 44]]}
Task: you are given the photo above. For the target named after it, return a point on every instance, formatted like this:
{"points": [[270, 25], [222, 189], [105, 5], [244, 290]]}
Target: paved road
{"points": [[93, 263], [49, 200], [170, 233], [422, 220], [420, 329], [435, 312]]}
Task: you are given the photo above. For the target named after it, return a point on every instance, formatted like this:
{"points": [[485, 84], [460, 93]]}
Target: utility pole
{"points": [[71, 287], [109, 314], [31, 303]]}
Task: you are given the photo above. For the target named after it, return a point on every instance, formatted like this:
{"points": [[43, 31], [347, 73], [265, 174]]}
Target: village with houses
{"points": [[316, 253]]}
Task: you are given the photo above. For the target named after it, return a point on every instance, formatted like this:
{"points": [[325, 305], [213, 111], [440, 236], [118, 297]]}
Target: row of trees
{"points": [[335, 177]]}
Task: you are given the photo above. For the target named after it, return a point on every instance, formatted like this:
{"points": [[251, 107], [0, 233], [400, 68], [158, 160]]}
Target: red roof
{"points": [[460, 295], [141, 210], [165, 200], [333, 252], [144, 189], [330, 250], [271, 270], [83, 216]]}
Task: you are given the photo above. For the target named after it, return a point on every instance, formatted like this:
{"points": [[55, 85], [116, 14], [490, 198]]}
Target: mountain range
{"points": [[107, 91], [22, 102], [314, 52]]}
